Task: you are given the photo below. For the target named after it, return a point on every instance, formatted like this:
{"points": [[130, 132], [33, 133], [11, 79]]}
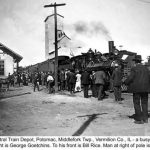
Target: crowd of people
{"points": [[18, 79], [74, 81], [68, 80], [138, 83]]}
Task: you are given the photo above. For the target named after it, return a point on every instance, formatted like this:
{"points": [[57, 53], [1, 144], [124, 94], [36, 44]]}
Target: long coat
{"points": [[85, 78], [71, 78], [62, 76], [117, 77], [100, 77], [138, 80], [36, 78]]}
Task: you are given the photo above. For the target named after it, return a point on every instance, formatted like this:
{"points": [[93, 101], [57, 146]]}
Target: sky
{"points": [[89, 23]]}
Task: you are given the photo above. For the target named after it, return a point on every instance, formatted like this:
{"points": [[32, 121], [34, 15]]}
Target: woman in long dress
{"points": [[78, 82]]}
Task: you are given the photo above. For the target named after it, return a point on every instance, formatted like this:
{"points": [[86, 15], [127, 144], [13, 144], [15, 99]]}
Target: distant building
{"points": [[9, 61], [63, 40]]}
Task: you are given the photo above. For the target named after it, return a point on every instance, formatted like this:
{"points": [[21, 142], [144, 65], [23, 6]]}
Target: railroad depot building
{"points": [[9, 61]]}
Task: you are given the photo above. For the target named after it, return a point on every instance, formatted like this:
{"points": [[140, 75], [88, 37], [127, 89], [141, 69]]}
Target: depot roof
{"points": [[10, 52]]}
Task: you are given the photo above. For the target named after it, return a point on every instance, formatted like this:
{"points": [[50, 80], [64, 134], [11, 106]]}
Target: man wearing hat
{"points": [[50, 81], [139, 84], [117, 79], [100, 78], [85, 81]]}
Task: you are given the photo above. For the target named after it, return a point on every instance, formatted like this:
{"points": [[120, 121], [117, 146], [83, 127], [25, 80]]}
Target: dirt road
{"points": [[27, 113]]}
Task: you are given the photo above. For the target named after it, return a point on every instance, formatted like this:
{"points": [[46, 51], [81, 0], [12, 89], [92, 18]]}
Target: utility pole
{"points": [[56, 42]]}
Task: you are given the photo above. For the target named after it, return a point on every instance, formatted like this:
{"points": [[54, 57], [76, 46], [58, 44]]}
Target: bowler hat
{"points": [[137, 58]]}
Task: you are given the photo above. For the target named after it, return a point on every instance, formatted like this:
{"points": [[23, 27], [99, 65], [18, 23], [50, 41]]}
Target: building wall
{"points": [[8, 65]]}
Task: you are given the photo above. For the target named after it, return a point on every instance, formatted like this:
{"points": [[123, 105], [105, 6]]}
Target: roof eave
{"points": [[10, 52]]}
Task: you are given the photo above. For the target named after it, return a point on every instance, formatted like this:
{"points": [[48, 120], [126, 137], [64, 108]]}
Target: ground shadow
{"points": [[134, 116], [14, 89], [9, 96], [47, 102], [68, 94], [86, 124], [41, 89]]}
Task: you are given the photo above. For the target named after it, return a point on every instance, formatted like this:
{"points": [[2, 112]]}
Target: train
{"points": [[91, 60]]}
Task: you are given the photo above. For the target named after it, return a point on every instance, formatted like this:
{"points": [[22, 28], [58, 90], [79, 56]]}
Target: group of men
{"points": [[138, 83], [48, 81], [67, 80], [97, 82], [70, 80], [17, 78]]}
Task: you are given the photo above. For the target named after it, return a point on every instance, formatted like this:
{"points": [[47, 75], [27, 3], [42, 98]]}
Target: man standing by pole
{"points": [[56, 43], [139, 84]]}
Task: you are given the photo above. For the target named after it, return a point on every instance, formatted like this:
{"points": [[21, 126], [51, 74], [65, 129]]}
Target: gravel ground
{"points": [[27, 113]]}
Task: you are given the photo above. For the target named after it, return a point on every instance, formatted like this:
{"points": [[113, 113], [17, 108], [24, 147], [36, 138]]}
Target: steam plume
{"points": [[92, 29]]}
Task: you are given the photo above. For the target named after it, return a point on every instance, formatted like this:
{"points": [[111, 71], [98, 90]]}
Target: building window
{"points": [[1, 67]]}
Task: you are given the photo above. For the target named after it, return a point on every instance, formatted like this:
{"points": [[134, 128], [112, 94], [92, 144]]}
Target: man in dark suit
{"points": [[36, 81], [62, 80], [93, 85], [117, 79], [71, 81], [85, 81], [100, 78], [139, 84]]}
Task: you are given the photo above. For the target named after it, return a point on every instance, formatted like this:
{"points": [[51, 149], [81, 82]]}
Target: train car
{"points": [[48, 65]]}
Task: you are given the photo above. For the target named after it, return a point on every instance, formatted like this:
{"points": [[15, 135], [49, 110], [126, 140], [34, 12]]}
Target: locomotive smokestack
{"points": [[111, 46]]}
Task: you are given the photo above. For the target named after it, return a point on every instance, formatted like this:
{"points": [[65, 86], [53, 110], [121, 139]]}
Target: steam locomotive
{"points": [[92, 60]]}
